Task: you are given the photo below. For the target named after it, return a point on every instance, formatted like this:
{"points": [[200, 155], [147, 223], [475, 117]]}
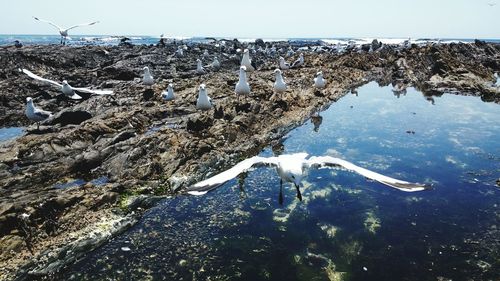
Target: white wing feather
{"points": [[53, 24], [392, 182], [95, 92], [83, 24], [34, 76], [203, 187]]}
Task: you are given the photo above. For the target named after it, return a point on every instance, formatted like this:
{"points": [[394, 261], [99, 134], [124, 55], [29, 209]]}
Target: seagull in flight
{"points": [[293, 167], [491, 4], [64, 31], [35, 114], [67, 89]]}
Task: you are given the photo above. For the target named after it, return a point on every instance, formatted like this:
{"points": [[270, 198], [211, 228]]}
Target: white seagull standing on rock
{"points": [[242, 87], [64, 31], [35, 114], [203, 102], [199, 67], [298, 62], [319, 81], [246, 62], [293, 167], [279, 84], [168, 94], [67, 89], [215, 63], [283, 64], [147, 78]]}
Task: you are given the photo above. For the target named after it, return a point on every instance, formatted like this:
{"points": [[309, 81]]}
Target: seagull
{"points": [[35, 114], [147, 79], [242, 87], [290, 52], [179, 52], [168, 94], [279, 84], [199, 67], [215, 63], [497, 80], [491, 4], [62, 31], [319, 82], [246, 62], [203, 102], [67, 89], [293, 167], [205, 54], [283, 64], [299, 61]]}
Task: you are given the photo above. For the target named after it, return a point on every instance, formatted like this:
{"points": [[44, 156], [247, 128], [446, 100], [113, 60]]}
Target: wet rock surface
{"points": [[145, 146]]}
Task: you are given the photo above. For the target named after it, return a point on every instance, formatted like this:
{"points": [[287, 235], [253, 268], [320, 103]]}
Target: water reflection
{"points": [[345, 228]]}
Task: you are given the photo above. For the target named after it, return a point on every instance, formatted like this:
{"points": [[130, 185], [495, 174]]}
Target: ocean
{"points": [[82, 40]]}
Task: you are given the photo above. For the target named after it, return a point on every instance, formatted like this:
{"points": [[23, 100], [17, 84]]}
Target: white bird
{"points": [[293, 167], [497, 81], [246, 61], [179, 52], [290, 52], [64, 31], [147, 78], [203, 102], [67, 89], [168, 94], [199, 67], [298, 62], [242, 88], [35, 114], [319, 81], [279, 84], [215, 63], [205, 54], [283, 64]]}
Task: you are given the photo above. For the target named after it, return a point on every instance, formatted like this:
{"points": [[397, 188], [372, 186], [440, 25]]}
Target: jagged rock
{"points": [[70, 117]]}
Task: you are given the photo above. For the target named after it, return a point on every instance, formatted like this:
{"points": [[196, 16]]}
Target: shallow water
{"points": [[7, 134], [346, 228]]}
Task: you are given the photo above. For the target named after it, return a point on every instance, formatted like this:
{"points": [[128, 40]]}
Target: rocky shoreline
{"points": [[129, 150]]}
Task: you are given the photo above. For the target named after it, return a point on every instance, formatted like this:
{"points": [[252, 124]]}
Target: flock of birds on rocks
{"points": [[203, 102], [291, 168]]}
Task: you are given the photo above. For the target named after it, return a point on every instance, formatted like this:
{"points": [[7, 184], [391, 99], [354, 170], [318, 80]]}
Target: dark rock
{"points": [[479, 43], [199, 124], [70, 117], [243, 107], [260, 43], [218, 112]]}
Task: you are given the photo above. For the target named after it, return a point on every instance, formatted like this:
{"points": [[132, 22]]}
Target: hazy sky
{"points": [[259, 18]]}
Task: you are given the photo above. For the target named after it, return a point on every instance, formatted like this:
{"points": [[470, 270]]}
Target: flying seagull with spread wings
{"points": [[64, 31], [67, 89], [293, 167]]}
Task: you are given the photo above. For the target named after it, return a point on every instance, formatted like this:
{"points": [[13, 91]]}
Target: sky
{"points": [[259, 18]]}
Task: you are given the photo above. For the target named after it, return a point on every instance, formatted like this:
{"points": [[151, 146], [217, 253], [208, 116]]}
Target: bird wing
{"points": [[83, 24], [296, 62], [34, 76], [75, 96], [205, 186], [395, 183], [42, 113], [95, 92], [53, 24]]}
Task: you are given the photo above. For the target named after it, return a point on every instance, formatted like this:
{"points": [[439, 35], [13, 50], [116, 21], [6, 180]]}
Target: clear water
{"points": [[346, 227], [7, 134]]}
